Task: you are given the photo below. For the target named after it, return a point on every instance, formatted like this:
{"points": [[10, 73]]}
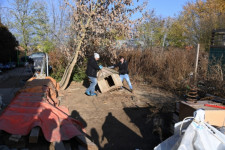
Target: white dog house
{"points": [[108, 79]]}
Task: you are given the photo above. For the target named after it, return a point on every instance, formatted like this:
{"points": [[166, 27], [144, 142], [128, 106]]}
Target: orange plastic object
{"points": [[45, 86], [54, 82], [37, 105], [215, 106], [28, 110]]}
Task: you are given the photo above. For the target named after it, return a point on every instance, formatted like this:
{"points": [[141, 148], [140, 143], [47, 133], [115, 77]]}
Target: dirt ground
{"points": [[120, 120], [117, 120]]}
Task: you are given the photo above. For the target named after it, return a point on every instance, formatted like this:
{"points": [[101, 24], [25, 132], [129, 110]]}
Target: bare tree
{"points": [[98, 22], [20, 12], [28, 21]]}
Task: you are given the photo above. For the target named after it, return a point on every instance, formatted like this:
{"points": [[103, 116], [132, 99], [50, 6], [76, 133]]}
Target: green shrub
{"points": [[79, 70], [79, 74], [57, 75], [58, 62]]}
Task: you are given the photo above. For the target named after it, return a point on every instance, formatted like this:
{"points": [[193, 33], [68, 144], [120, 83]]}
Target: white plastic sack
{"points": [[194, 135]]}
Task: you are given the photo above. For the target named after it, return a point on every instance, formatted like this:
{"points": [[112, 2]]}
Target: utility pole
{"points": [[196, 64]]}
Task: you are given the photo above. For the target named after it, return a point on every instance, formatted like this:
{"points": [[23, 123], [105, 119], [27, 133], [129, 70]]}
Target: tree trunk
{"points": [[67, 74]]}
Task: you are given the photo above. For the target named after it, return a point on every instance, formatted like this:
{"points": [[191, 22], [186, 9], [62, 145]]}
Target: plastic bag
{"points": [[194, 134]]}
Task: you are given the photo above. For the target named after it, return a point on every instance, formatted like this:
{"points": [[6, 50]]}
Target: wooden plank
{"points": [[34, 134], [103, 85], [57, 146], [185, 111], [105, 72], [85, 142], [15, 137], [112, 70], [117, 81], [15, 141]]}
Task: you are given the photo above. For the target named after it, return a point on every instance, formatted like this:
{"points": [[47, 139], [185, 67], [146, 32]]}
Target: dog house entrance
{"points": [[110, 81]]}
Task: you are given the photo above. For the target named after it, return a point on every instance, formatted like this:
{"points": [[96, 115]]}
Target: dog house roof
{"points": [[105, 72]]}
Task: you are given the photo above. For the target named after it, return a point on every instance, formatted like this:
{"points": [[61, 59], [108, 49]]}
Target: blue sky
{"points": [[164, 8], [167, 8]]}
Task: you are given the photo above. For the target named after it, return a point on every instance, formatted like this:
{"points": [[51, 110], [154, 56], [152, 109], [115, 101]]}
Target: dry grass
{"points": [[172, 70], [58, 62], [169, 69]]}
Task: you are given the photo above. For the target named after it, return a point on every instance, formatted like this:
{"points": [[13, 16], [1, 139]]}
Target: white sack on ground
{"points": [[194, 134]]}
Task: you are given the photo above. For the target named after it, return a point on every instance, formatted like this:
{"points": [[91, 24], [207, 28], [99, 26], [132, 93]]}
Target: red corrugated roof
{"points": [[30, 109]]}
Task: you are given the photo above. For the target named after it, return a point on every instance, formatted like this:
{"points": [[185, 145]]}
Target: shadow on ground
{"points": [[76, 115], [120, 137]]}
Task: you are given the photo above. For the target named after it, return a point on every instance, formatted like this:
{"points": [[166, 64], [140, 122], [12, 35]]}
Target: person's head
{"points": [[121, 59], [97, 56]]}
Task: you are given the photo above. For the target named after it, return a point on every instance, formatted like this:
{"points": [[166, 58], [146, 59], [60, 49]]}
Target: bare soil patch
{"points": [[122, 120]]}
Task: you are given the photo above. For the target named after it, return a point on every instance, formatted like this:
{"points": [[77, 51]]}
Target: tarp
{"points": [[194, 134], [56, 85], [46, 86], [36, 105], [28, 110]]}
